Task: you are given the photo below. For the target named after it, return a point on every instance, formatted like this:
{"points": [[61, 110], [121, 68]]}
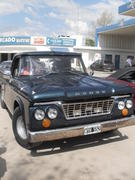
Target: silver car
{"points": [[5, 69]]}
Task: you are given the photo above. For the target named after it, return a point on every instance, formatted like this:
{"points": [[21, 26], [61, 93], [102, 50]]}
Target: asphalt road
{"points": [[108, 156]]}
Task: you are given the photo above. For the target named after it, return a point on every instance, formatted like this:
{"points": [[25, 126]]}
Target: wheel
{"points": [[20, 131]]}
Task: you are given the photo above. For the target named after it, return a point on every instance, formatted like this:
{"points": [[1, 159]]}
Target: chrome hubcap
{"points": [[21, 130]]}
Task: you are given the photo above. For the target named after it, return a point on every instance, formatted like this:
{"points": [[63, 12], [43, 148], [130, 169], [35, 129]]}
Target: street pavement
{"points": [[108, 156]]}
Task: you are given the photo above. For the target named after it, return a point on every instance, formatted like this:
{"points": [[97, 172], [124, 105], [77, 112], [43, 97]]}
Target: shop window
{"points": [[131, 57], [108, 59], [4, 57]]}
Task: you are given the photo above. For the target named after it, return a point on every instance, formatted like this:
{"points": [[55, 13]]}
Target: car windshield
{"points": [[46, 65]]}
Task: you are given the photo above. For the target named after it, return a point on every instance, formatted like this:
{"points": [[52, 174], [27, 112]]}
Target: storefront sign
{"points": [[38, 40], [60, 42], [14, 40]]}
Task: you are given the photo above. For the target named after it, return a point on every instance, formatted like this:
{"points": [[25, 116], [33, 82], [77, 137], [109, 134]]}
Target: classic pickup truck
{"points": [[51, 96]]}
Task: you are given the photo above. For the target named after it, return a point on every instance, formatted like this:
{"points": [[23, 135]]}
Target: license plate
{"points": [[93, 129]]}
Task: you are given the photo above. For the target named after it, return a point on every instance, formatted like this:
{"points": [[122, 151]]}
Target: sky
{"points": [[53, 17]]}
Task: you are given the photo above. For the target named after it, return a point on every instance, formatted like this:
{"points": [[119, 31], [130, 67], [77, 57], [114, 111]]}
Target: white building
{"points": [[115, 42]]}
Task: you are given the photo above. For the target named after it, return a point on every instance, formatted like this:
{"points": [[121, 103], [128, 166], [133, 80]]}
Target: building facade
{"points": [[120, 37], [114, 43]]}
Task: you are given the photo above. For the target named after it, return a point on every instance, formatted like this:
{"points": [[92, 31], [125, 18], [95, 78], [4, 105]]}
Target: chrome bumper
{"points": [[63, 133]]}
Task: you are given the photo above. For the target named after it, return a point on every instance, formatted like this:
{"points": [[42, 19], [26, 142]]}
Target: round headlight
{"points": [[129, 104], [52, 113], [39, 114], [121, 105]]}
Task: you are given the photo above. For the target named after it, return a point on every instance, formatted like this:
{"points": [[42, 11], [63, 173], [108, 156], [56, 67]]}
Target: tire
{"points": [[3, 105], [19, 130]]}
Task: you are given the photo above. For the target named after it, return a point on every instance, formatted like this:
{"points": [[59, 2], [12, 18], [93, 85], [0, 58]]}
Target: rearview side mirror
{"points": [[90, 71]]}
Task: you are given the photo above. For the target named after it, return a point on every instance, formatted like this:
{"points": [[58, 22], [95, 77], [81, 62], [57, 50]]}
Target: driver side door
{"points": [[10, 89]]}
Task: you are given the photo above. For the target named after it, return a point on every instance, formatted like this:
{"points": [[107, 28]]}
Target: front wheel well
{"points": [[16, 105]]}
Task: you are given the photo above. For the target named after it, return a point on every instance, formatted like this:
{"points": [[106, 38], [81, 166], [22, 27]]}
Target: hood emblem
{"points": [[113, 90], [33, 92]]}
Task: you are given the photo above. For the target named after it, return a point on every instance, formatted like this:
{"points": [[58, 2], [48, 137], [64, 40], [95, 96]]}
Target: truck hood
{"points": [[70, 87]]}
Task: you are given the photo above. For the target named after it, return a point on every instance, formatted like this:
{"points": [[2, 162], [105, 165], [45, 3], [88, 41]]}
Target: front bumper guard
{"points": [[69, 132]]}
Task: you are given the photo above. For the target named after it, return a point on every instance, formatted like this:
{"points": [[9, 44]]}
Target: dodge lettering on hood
{"points": [[51, 96]]}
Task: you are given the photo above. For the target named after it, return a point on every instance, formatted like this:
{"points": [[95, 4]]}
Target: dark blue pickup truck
{"points": [[51, 96]]}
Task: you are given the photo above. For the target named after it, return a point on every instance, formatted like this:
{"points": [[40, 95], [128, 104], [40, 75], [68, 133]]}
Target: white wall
{"points": [[85, 57], [80, 40], [116, 41], [88, 54]]}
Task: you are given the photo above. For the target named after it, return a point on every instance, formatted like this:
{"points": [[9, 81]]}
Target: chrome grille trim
{"points": [[87, 109], [122, 96]]}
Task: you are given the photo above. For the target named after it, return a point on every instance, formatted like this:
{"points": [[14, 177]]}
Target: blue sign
{"points": [[127, 7], [15, 40], [60, 42]]}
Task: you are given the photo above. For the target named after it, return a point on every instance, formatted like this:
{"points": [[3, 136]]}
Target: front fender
{"points": [[18, 102]]}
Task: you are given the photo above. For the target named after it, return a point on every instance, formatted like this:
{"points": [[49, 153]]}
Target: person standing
{"points": [[129, 62]]}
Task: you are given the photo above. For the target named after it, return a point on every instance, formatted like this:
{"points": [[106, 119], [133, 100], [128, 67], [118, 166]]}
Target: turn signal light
{"points": [[125, 112], [46, 123]]}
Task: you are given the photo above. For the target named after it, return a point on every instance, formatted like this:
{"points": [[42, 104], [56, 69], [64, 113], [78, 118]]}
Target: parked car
{"points": [[124, 76], [51, 97], [5, 69], [101, 65]]}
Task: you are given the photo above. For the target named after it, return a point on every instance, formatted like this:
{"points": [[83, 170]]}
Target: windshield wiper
{"points": [[75, 72], [44, 75], [51, 73]]}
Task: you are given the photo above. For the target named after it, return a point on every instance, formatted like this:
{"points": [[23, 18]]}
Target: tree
{"points": [[89, 42], [105, 19]]}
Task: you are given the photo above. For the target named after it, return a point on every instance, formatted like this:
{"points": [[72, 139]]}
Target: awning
{"points": [[123, 28]]}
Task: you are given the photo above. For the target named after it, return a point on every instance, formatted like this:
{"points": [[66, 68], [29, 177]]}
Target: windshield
{"points": [[44, 65]]}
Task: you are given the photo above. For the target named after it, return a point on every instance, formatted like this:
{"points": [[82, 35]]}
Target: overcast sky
{"points": [[53, 17]]}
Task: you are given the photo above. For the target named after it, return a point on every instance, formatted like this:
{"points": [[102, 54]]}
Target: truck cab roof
{"points": [[42, 53]]}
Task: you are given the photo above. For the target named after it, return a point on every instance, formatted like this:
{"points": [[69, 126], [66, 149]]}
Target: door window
{"points": [[16, 68]]}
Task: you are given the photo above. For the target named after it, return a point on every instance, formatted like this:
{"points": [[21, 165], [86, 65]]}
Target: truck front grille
{"points": [[87, 109]]}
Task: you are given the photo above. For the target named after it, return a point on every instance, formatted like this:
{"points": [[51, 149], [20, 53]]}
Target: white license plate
{"points": [[93, 129]]}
